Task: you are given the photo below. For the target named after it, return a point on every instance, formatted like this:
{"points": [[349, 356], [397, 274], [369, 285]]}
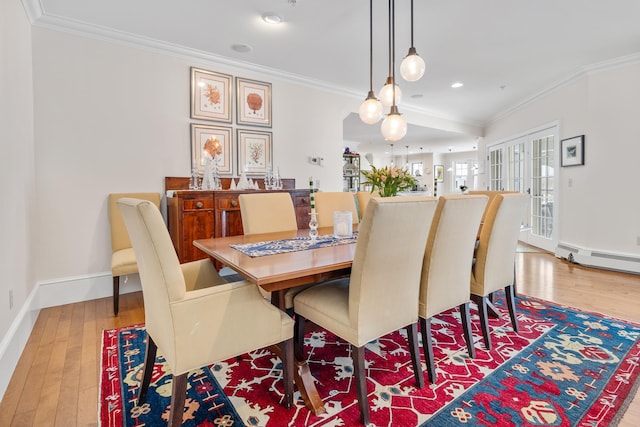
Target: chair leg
{"points": [[298, 336], [484, 321], [116, 294], [286, 352], [357, 353], [147, 369], [427, 349], [466, 327], [511, 304], [178, 395], [414, 348]]}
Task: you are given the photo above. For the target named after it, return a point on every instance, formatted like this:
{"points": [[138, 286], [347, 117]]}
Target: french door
{"points": [[528, 164]]}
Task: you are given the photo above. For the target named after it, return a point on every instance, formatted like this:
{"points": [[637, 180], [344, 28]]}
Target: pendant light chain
{"points": [[371, 45]]}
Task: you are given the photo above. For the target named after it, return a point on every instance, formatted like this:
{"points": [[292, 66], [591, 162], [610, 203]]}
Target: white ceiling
{"points": [[504, 51]]}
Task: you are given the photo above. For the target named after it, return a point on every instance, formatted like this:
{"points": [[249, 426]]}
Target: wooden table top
{"points": [[281, 271]]}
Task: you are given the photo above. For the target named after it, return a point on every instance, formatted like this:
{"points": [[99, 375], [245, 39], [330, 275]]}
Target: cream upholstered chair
{"points": [[447, 263], [381, 295], [270, 213], [123, 261], [495, 256], [199, 327], [489, 193], [328, 202], [267, 213], [363, 198]]}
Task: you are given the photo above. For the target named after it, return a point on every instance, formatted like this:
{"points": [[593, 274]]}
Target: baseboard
{"points": [[51, 293], [599, 259], [82, 288], [15, 340]]}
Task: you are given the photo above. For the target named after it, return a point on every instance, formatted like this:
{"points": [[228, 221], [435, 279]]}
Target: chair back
{"points": [[492, 196], [267, 213], [385, 275], [363, 198], [449, 254], [160, 273], [495, 255], [328, 202], [119, 236]]}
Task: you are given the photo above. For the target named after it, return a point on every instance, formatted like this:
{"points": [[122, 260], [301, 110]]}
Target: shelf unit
{"points": [[351, 172]]}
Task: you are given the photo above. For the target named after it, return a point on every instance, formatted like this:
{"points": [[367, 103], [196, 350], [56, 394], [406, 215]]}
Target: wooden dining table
{"points": [[279, 272]]}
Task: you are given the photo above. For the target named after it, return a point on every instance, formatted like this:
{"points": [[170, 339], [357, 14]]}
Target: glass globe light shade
{"points": [[386, 94], [394, 126], [412, 67], [371, 109]]}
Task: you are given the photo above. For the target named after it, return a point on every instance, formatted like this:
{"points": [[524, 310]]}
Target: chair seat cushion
{"points": [[123, 262], [327, 305]]}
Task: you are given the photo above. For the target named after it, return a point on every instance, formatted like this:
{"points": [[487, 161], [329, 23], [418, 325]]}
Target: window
{"points": [[460, 175]]}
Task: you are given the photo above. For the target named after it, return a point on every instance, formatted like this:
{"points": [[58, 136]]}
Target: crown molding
{"points": [[583, 72]]}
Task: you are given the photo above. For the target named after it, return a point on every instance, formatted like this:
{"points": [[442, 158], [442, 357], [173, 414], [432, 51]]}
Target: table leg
{"points": [[302, 375]]}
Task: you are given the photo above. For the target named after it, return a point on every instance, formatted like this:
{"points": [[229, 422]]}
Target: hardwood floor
{"points": [[56, 380]]}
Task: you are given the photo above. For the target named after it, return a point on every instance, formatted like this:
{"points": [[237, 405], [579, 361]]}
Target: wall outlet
{"points": [[11, 296]]}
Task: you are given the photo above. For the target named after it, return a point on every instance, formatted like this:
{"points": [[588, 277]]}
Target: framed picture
{"points": [[207, 140], [438, 173], [211, 95], [572, 150], [254, 102], [255, 151]]}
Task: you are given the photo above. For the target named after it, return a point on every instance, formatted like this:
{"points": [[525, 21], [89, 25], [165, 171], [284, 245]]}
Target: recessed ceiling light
{"points": [[457, 85], [271, 18], [242, 48]]}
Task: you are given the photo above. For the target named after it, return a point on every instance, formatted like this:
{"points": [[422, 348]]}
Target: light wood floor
{"points": [[56, 380]]}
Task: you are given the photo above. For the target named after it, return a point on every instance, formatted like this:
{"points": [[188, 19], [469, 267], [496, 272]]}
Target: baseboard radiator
{"points": [[599, 259]]}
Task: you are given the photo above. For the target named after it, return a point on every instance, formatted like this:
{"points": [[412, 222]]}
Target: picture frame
{"points": [[253, 102], [255, 151], [211, 95], [572, 150], [200, 134], [438, 173]]}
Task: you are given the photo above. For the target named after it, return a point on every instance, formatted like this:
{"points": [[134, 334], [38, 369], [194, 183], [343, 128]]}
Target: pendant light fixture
{"points": [[371, 109], [390, 93], [412, 67], [394, 126]]}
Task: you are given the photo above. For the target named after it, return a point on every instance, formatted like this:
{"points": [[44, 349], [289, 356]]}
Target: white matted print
{"points": [[211, 95], [213, 140], [572, 151], [255, 151], [254, 102]]}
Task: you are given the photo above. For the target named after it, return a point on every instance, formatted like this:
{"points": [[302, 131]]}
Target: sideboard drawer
{"points": [[228, 203], [197, 204]]}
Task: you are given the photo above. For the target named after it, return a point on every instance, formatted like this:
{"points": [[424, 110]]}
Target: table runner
{"points": [[274, 247]]}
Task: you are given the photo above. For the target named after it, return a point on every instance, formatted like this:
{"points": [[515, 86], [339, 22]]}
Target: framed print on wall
{"points": [[438, 172], [255, 151], [254, 102], [572, 150], [211, 95], [216, 139]]}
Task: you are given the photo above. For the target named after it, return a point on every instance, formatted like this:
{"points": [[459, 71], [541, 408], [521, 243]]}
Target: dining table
{"points": [[283, 268]]}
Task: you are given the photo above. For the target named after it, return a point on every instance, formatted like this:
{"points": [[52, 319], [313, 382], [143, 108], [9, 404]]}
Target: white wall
{"points": [[111, 118], [18, 189], [600, 210]]}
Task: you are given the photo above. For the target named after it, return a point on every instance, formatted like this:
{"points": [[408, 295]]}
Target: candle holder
{"points": [[313, 226]]}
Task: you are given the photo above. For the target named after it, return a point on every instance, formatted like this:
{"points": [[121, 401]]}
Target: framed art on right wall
{"points": [[572, 151]]}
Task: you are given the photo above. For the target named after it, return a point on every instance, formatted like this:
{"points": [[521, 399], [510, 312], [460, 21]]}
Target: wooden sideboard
{"points": [[202, 214]]}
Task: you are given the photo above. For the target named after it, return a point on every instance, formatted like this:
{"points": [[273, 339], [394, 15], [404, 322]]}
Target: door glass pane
{"points": [[542, 173], [495, 167]]}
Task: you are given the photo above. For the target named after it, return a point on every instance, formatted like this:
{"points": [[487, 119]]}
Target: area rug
{"points": [[565, 367]]}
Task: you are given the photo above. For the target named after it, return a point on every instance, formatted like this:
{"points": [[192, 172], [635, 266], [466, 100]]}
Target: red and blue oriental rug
{"points": [[565, 367]]}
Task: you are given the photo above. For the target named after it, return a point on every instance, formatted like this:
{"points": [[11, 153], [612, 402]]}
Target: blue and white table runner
{"points": [[274, 247]]}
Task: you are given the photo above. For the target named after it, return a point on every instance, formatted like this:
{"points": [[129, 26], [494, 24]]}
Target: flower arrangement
{"points": [[389, 180]]}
